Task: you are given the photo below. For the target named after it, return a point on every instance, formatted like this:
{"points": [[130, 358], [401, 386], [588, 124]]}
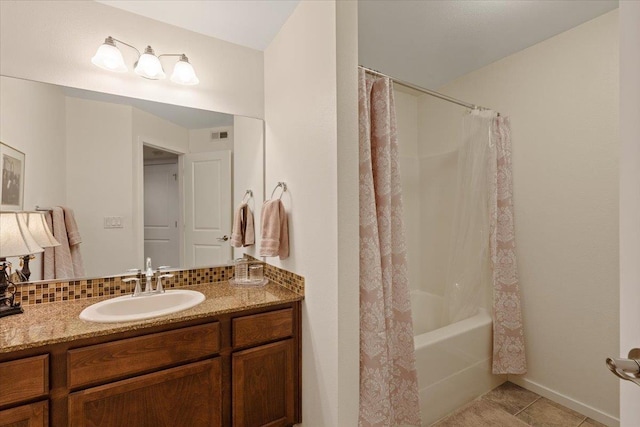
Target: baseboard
{"points": [[570, 403]]}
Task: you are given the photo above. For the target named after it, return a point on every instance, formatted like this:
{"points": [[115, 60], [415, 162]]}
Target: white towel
{"points": [[275, 230]]}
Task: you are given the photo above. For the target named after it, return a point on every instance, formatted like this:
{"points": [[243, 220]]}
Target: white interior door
{"points": [[161, 214], [207, 194], [629, 202]]}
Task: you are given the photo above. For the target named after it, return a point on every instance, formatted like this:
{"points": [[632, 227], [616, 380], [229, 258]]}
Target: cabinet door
{"points": [[263, 386], [32, 415], [186, 396]]}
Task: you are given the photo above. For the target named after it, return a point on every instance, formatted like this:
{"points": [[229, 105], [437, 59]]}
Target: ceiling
{"points": [[425, 42], [430, 43]]}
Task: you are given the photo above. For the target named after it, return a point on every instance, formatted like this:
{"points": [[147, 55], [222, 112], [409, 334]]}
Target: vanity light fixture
{"points": [[148, 65]]}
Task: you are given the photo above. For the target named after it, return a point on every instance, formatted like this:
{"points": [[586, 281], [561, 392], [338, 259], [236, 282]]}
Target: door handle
{"points": [[223, 238], [626, 369]]}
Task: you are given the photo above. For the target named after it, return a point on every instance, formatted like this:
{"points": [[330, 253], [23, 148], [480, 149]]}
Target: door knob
{"points": [[223, 238], [626, 369]]}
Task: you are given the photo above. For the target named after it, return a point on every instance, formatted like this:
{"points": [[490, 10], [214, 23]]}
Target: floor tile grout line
{"points": [[521, 410], [582, 422]]}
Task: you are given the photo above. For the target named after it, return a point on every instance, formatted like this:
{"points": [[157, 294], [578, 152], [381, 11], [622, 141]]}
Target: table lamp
{"points": [[15, 240], [37, 225]]}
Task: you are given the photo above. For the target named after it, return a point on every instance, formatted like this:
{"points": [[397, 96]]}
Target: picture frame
{"points": [[12, 164]]}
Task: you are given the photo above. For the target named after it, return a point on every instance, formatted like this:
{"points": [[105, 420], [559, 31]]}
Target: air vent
{"points": [[219, 135]]}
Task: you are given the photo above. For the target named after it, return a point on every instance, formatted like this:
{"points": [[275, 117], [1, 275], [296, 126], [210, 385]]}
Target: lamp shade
{"points": [[15, 239], [109, 57], [149, 66], [183, 73], [37, 225]]}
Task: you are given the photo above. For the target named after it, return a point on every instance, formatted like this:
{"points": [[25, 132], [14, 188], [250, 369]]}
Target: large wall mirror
{"points": [[143, 178]]}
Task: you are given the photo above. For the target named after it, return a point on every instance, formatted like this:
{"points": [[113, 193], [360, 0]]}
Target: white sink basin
{"points": [[128, 308]]}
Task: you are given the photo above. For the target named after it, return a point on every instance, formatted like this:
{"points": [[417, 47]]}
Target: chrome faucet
{"points": [[148, 283], [149, 275]]}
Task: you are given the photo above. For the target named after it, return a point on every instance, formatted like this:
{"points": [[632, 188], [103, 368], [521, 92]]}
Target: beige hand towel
{"points": [[275, 230], [74, 242], [249, 230], [242, 233], [237, 233], [64, 261]]}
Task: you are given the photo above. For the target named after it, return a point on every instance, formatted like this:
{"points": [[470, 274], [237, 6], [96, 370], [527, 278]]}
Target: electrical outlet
{"points": [[113, 222]]}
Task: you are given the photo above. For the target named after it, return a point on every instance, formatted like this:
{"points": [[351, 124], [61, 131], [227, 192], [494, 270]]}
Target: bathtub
{"points": [[453, 361]]}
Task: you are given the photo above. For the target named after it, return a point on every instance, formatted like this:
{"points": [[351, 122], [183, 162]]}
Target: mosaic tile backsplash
{"points": [[44, 292]]}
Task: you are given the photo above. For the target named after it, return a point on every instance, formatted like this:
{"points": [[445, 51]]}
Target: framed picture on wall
{"points": [[12, 188]]}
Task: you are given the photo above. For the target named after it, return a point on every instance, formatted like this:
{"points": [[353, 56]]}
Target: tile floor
{"points": [[510, 405]]}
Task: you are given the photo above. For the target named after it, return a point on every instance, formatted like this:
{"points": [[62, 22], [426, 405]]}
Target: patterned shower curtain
{"points": [[508, 334], [388, 379]]}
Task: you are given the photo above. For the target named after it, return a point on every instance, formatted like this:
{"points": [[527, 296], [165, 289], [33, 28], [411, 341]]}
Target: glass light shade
{"points": [[15, 239], [39, 229], [109, 57], [183, 73], [149, 66]]}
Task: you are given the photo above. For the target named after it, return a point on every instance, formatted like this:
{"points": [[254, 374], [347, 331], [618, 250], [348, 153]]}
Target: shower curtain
{"points": [[388, 379], [483, 253]]}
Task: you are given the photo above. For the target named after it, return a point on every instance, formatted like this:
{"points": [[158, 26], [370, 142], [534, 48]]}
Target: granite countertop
{"points": [[56, 322]]}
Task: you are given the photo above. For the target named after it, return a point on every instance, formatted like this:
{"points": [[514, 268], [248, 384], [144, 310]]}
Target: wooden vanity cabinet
{"points": [[236, 369], [185, 396], [24, 380], [30, 415], [264, 370]]}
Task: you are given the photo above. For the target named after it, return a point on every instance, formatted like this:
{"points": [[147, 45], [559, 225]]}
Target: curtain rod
{"points": [[423, 90]]}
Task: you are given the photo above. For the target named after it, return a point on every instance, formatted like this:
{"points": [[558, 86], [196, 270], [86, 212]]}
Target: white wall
{"points": [[406, 103], [248, 172], [304, 144], [53, 41], [31, 113], [562, 96], [99, 170], [200, 140], [629, 201]]}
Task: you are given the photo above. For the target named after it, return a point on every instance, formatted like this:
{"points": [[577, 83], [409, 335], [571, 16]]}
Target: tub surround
{"points": [[453, 361]]}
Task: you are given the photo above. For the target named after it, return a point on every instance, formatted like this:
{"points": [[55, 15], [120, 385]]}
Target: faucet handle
{"points": [[159, 287], [138, 289]]}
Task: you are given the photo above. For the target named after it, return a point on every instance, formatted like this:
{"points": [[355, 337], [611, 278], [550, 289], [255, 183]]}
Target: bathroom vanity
{"points": [[234, 360]]}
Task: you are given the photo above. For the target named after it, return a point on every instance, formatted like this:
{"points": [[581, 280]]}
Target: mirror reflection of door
{"points": [[207, 210], [161, 207]]}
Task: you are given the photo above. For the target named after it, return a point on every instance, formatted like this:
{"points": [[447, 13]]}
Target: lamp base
{"points": [[6, 310]]}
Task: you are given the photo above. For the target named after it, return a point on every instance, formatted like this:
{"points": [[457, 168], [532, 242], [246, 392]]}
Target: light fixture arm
{"points": [[182, 56], [111, 40]]}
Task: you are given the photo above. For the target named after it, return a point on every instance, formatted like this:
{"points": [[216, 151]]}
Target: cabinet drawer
{"points": [[103, 362], [32, 415], [24, 379], [264, 327]]}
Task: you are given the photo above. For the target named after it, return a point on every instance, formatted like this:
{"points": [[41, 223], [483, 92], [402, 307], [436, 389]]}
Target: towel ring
{"points": [[282, 185], [247, 193]]}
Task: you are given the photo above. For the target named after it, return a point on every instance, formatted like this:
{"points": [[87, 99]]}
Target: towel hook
{"points": [[247, 193], [282, 185]]}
